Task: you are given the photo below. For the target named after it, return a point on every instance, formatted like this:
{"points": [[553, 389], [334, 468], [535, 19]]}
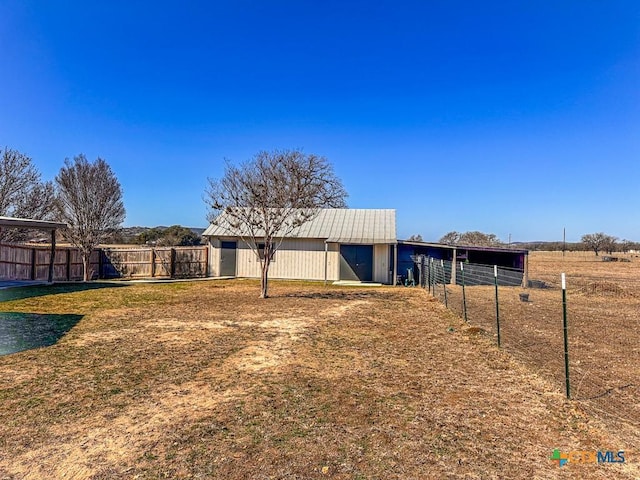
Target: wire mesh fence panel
{"points": [[604, 346], [602, 312], [604, 338]]}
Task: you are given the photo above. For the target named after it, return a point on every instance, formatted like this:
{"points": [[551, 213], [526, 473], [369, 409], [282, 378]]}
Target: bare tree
{"points": [[450, 238], [626, 245], [89, 200], [598, 241], [611, 244], [265, 199], [415, 238], [22, 193], [479, 239], [474, 238]]}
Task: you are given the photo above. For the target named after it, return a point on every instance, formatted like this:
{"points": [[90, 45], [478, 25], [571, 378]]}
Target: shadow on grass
{"points": [[24, 331], [19, 293]]}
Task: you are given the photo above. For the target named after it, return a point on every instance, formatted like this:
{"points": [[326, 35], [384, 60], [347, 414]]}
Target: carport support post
{"points": [[453, 265], [444, 283], [395, 264], [566, 336], [464, 296], [52, 257]]}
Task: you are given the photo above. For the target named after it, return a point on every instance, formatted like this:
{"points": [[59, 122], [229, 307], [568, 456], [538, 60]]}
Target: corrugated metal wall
{"points": [[295, 259], [300, 259], [381, 264], [214, 257]]}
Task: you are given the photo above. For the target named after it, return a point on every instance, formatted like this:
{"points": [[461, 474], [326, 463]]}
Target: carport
{"points": [[11, 222]]}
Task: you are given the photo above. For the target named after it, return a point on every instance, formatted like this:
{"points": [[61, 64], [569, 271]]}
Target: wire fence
{"points": [[594, 316]]}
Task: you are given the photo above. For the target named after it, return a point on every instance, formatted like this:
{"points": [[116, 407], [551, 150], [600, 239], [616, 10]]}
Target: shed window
{"points": [[261, 252]]}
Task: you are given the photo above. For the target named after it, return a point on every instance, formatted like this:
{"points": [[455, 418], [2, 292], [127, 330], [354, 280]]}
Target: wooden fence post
{"points": [[68, 264], [33, 264], [153, 263], [52, 259], [173, 263]]}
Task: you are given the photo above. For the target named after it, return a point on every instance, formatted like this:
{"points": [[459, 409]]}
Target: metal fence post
{"points": [[434, 278], [464, 296], [495, 277], [566, 336]]}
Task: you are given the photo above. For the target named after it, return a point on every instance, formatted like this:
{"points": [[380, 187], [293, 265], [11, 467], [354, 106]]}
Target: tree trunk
{"points": [[85, 265], [264, 280]]}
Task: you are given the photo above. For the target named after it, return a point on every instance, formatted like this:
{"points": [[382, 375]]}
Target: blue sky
{"points": [[507, 117]]}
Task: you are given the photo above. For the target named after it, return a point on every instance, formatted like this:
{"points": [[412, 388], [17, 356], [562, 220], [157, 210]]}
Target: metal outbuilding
{"points": [[337, 244]]}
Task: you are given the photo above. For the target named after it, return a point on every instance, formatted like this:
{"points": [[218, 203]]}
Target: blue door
{"points": [[228, 259], [356, 262]]}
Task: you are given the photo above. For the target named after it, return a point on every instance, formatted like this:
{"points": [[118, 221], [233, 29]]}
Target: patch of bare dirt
{"points": [[604, 288]]}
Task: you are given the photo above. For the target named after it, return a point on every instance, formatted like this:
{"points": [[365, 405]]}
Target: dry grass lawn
{"points": [[204, 380]]}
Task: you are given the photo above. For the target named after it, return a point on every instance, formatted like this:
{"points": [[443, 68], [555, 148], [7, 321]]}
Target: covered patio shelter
{"points": [[11, 222]]}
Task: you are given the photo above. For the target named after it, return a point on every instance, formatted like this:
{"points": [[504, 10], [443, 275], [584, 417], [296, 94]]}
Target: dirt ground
{"points": [[204, 380]]}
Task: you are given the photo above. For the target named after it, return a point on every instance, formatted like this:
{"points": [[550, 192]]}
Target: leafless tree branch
{"points": [[89, 200], [265, 199]]}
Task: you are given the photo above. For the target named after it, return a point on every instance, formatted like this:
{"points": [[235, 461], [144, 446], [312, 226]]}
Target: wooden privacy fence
{"points": [[162, 262], [23, 262]]}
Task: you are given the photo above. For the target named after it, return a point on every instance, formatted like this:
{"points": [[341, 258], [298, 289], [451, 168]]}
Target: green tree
{"points": [[177, 235], [150, 236]]}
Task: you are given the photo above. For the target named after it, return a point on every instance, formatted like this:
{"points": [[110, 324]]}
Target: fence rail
{"points": [[23, 262], [598, 314]]}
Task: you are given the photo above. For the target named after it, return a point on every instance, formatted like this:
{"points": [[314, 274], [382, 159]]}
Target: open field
{"points": [[603, 305], [204, 380]]}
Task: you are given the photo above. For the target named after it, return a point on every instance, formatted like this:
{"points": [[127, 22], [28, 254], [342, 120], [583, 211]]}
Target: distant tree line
{"points": [[473, 238], [175, 235], [598, 242]]}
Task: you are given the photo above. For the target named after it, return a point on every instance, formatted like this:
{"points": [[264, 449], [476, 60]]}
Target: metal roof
{"points": [[29, 223], [336, 225], [462, 247]]}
